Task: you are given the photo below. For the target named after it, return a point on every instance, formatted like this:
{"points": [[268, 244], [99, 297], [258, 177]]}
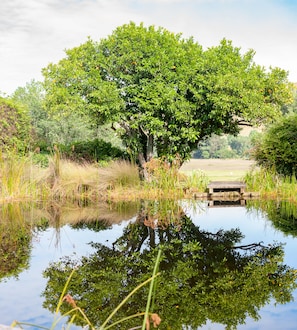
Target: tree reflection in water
{"points": [[204, 275], [15, 241]]}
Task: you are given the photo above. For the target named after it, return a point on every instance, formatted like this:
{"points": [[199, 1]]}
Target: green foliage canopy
{"points": [[291, 107], [163, 93]]}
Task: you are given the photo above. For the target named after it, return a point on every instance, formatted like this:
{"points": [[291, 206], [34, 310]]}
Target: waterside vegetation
{"points": [[64, 180]]}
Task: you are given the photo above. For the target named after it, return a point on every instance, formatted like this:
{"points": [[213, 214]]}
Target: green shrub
{"points": [[15, 128], [40, 159], [277, 149], [94, 150]]}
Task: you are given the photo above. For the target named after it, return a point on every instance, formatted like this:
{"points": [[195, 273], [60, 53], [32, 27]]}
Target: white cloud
{"points": [[36, 32]]}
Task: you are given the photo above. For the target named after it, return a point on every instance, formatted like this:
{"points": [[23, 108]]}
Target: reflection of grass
{"points": [[15, 240]]}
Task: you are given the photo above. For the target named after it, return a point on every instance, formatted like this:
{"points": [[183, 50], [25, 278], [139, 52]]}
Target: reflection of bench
{"points": [[226, 203], [226, 186]]}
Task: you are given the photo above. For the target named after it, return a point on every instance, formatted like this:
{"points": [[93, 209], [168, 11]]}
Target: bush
{"points": [[94, 150], [15, 129], [277, 149]]}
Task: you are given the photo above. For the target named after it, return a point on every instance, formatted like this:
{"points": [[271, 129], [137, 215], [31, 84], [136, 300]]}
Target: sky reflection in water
{"points": [[20, 299], [256, 227]]}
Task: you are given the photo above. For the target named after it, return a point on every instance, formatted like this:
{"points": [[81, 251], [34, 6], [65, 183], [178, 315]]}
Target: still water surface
{"points": [[20, 298]]}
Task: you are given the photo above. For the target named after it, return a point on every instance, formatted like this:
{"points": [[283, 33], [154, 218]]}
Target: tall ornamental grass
{"points": [[166, 180], [71, 181]]}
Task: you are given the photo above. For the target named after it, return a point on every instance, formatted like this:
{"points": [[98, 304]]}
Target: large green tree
{"points": [[163, 93]]}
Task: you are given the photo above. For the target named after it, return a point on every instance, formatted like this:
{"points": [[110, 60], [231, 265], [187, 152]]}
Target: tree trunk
{"points": [[146, 155], [150, 148], [143, 170]]}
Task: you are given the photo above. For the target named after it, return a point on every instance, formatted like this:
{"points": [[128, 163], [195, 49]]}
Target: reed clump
{"points": [[118, 175], [71, 181], [18, 178], [166, 180], [270, 184]]}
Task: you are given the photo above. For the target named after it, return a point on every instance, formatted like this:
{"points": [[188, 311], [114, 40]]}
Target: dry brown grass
{"points": [[78, 181], [119, 174]]}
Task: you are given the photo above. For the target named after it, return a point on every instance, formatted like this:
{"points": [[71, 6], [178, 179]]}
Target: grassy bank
{"points": [[66, 181]]}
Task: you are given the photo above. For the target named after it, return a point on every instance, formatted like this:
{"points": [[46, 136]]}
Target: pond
{"points": [[222, 266]]}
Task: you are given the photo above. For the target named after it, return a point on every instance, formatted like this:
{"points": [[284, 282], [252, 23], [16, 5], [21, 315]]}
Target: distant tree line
{"points": [[75, 135], [225, 147]]}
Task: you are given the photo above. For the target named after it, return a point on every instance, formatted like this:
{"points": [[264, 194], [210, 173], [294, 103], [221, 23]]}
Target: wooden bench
{"points": [[226, 186]]}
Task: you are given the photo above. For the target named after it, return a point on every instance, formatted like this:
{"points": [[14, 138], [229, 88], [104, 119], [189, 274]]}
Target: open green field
{"points": [[220, 169]]}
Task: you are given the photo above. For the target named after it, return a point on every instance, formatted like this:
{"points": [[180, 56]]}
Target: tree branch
{"points": [[248, 246]]}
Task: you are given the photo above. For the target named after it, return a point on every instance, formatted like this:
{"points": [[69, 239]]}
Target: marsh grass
{"points": [[162, 175], [270, 184], [167, 181], [17, 179], [81, 181], [21, 179], [119, 180], [66, 181], [119, 174], [71, 181], [262, 180], [197, 179]]}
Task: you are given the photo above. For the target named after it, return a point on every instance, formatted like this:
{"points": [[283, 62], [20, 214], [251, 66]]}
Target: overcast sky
{"points": [[34, 33]]}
